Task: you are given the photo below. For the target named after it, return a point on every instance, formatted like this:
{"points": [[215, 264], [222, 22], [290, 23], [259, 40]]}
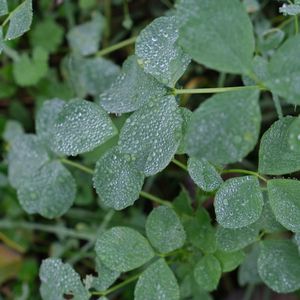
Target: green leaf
{"points": [[106, 277], [47, 35], [46, 118], [157, 282], [131, 89], [275, 154], [204, 174], [3, 7], [90, 75], [84, 39], [284, 71], [297, 241], [30, 70], [284, 197], [26, 155], [290, 10], [1, 40], [152, 134], [59, 279], [117, 180], [248, 273], [80, 127], [229, 260], [20, 20], [208, 272], [294, 135], [217, 34], [164, 229], [186, 117], [239, 202], [230, 240], [50, 191], [158, 52], [279, 265], [225, 128], [12, 130], [123, 249], [182, 203]]}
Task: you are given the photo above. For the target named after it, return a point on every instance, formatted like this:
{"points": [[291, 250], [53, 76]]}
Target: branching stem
{"points": [[241, 171]]}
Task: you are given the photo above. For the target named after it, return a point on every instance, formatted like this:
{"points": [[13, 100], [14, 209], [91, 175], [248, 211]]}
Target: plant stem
{"points": [[217, 90], [277, 106], [155, 199], [116, 46], [249, 292], [77, 165], [241, 171], [117, 286], [179, 164], [10, 243], [6, 224]]}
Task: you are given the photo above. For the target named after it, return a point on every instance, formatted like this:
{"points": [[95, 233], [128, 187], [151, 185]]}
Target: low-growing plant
{"points": [[138, 124]]}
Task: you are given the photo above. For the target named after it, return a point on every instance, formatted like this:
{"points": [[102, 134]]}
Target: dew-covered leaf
{"points": [[279, 265], [123, 249], [157, 282], [239, 202], [229, 260], [46, 118], [12, 130], [152, 134], [50, 191], [208, 272], [248, 273], [297, 241], [164, 229], [284, 71], [204, 174], [20, 20], [186, 117], [235, 239], [30, 70], [117, 180], [59, 279], [106, 277], [290, 9], [294, 136], [3, 7], [1, 39], [217, 34], [158, 52], [80, 127], [84, 39], [131, 89], [284, 197], [26, 155], [225, 128], [90, 75], [275, 154]]}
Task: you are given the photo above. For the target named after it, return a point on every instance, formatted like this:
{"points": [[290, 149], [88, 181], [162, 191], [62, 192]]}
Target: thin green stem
{"points": [[117, 286], [77, 165], [249, 292], [117, 46], [55, 229], [179, 164], [241, 171], [217, 90], [155, 199]]}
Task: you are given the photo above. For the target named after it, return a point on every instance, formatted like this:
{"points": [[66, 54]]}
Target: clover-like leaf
{"points": [[26, 155], [152, 134], [157, 282], [279, 265], [131, 89], [239, 202], [20, 20], [229, 260], [158, 52], [284, 71], [3, 7], [208, 272], [80, 127], [50, 191], [225, 128], [284, 197], [1, 39], [123, 249], [12, 130], [164, 229], [275, 154], [186, 117], [117, 180], [84, 39], [290, 9], [204, 174], [294, 135], [217, 34], [59, 279]]}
